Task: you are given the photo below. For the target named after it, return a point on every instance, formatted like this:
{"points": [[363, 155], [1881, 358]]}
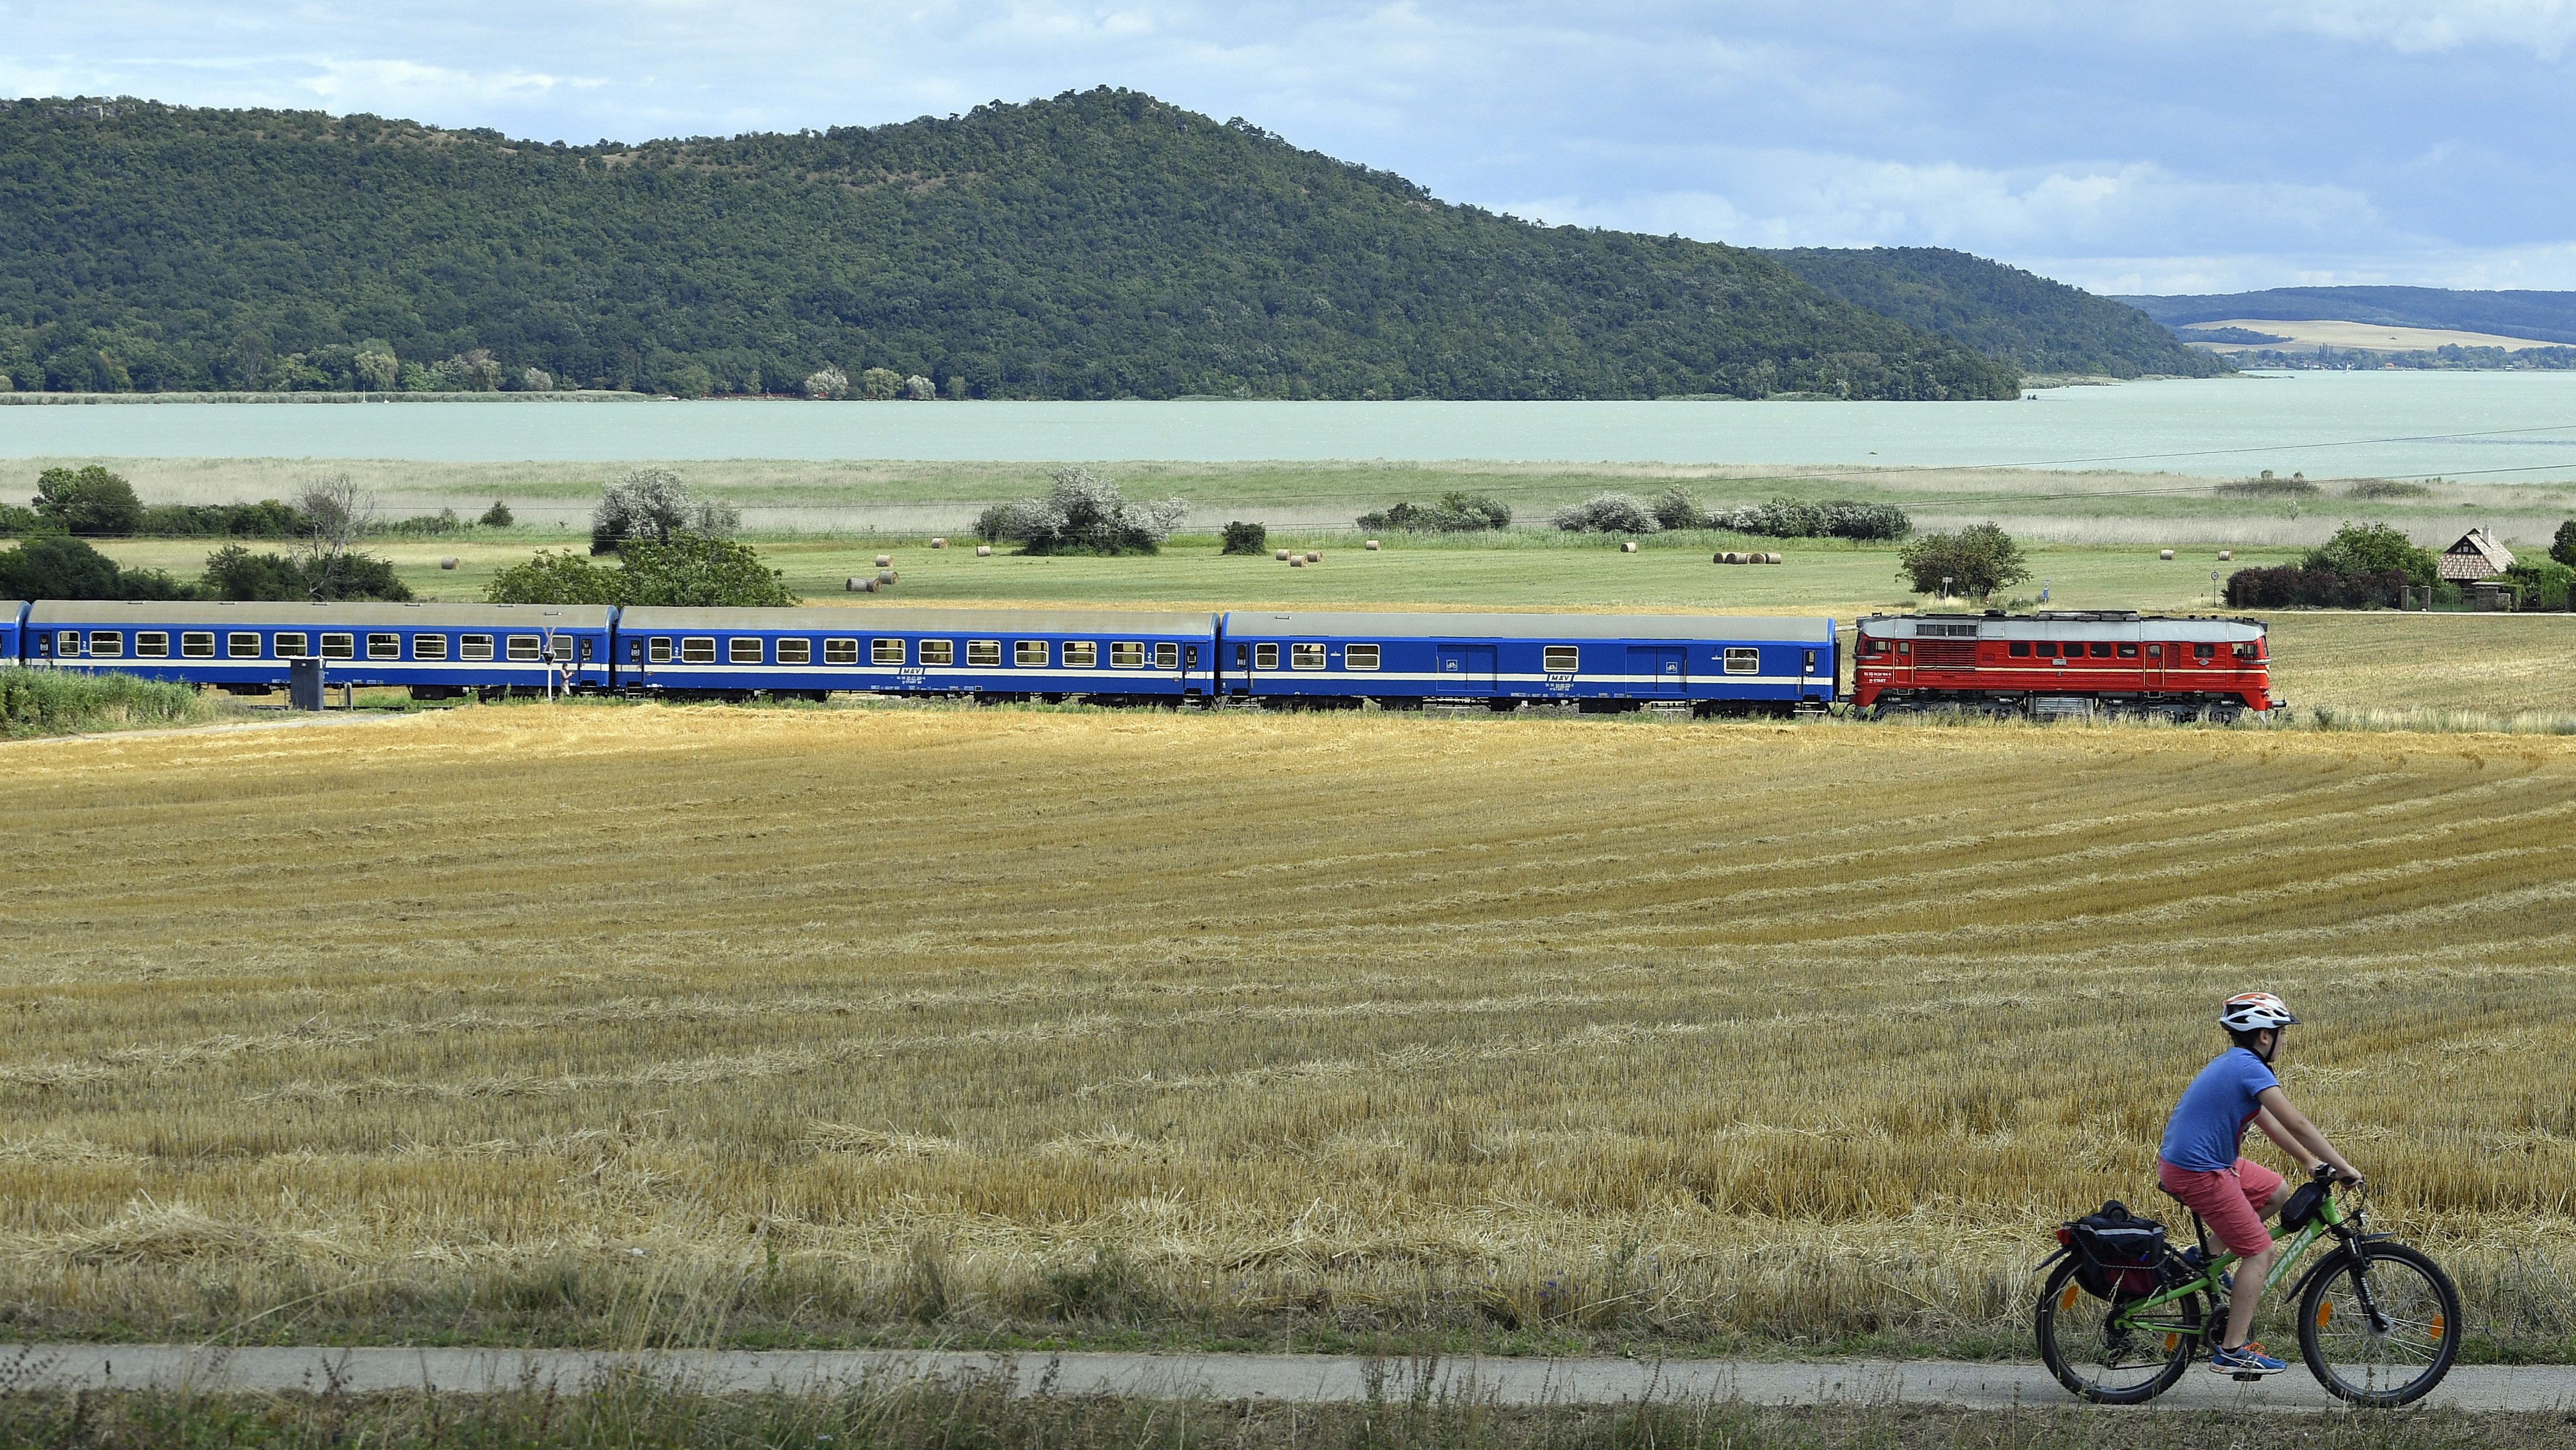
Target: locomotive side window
{"points": [[1359, 657], [1305, 656], [297, 646], [660, 654], [1743, 660], [1167, 656], [2048, 649], [1873, 646], [886, 652], [2128, 651], [2101, 649], [242, 646], [1082, 654], [2201, 653], [844, 651], [2155, 651], [2245, 651], [1126, 654], [1561, 659], [938, 652], [384, 646], [429, 646], [697, 651], [2020, 649], [796, 651], [345, 646], [744, 651], [984, 652], [1265, 657], [1029, 654], [1905, 646]]}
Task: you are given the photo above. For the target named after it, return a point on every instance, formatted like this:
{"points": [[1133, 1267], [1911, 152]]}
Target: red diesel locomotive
{"points": [[2063, 662]]}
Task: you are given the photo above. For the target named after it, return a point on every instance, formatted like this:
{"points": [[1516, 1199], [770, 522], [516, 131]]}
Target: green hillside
{"points": [[2004, 312], [1095, 245], [2548, 316]]}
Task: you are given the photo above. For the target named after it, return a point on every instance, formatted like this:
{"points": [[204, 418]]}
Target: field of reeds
{"points": [[49, 702], [584, 1024]]}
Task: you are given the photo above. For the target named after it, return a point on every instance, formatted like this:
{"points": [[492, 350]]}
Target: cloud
{"points": [[395, 85], [2542, 27]]}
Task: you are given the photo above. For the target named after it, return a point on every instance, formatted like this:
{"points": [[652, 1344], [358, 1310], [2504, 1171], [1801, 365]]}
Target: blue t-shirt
{"points": [[2210, 1121]]}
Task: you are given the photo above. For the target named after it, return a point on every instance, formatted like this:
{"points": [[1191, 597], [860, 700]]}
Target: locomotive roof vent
{"points": [[2089, 616]]}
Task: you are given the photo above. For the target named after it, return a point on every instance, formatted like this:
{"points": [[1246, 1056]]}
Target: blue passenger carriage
{"points": [[1708, 663], [12, 613], [1011, 654], [434, 649]]}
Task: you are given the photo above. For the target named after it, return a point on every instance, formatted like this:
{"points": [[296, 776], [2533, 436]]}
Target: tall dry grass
{"points": [[617, 1024]]}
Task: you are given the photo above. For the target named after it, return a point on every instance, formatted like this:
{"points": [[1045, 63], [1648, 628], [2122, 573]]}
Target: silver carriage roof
{"points": [[10, 609], [905, 619], [2116, 624], [1792, 630], [291, 614]]}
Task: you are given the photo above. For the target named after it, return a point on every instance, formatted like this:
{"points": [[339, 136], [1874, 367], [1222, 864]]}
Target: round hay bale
{"points": [[1734, 557], [884, 559], [1296, 561], [885, 576], [939, 543], [2226, 555], [853, 584], [1279, 554], [2165, 554], [1372, 546], [1717, 558], [1314, 558], [983, 551], [448, 563], [1773, 559], [1627, 546]]}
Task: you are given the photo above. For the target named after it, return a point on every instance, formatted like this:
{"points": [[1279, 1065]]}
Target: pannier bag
{"points": [[2116, 1252]]}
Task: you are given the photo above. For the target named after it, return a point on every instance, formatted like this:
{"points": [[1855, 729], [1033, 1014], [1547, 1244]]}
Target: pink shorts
{"points": [[2231, 1201]]}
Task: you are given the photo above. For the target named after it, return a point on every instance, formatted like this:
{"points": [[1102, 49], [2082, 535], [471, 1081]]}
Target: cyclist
{"points": [[2200, 1162]]}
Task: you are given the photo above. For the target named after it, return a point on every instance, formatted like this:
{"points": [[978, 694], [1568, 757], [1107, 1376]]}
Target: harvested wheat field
{"points": [[572, 1023]]}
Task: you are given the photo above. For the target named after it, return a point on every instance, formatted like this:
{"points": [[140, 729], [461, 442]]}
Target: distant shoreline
{"points": [[67, 400]]}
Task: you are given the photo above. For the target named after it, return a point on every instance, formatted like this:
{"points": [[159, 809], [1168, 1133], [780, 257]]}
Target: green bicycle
{"points": [[2379, 1322]]}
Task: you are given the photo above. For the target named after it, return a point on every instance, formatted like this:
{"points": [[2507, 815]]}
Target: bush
{"points": [[1789, 518], [59, 702], [1246, 539], [1086, 514], [988, 524], [422, 526], [827, 383], [2364, 549], [1454, 512], [2543, 585], [1676, 509], [653, 505], [497, 516], [15, 521], [552, 578], [1607, 513], [2386, 488], [2297, 586], [880, 384], [2267, 486], [688, 571], [57, 566], [266, 519], [89, 501], [1976, 561], [2563, 548], [234, 572]]}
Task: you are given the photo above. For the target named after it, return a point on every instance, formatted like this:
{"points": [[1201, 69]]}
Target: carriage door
{"points": [[1466, 669], [2151, 668], [1657, 669]]}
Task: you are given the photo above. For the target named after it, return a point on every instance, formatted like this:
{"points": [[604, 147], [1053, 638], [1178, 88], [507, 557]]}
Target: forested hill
{"points": [[2548, 316], [2003, 312], [1094, 245]]}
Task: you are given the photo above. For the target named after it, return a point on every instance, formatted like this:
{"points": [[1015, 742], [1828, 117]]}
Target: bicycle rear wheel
{"points": [[2379, 1324], [2107, 1364]]}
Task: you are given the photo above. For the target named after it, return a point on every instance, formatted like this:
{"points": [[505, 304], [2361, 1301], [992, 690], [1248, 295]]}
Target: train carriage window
{"points": [[149, 644], [1029, 654], [846, 651], [2101, 649], [1306, 656], [796, 651], [745, 650], [2155, 651], [658, 651], [1081, 654], [1126, 654], [1359, 657], [938, 652], [299, 646], [242, 646], [521, 647], [888, 652], [384, 646], [563, 647], [473, 646], [1167, 656], [339, 646], [1743, 660], [1560, 659], [108, 643], [429, 646], [2128, 651], [984, 652], [198, 644], [697, 650], [2019, 650], [1265, 657]]}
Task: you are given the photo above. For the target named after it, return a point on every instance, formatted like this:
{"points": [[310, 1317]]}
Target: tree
{"points": [[653, 505], [1454, 512], [879, 384], [827, 382], [1676, 509], [917, 389], [1241, 538], [57, 566], [88, 501], [377, 368], [2563, 548], [2373, 549], [497, 516], [234, 572], [1976, 561], [552, 578], [1084, 513], [700, 572], [1607, 513]]}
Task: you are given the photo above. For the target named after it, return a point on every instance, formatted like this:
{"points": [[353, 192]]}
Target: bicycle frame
{"points": [[2329, 1217]]}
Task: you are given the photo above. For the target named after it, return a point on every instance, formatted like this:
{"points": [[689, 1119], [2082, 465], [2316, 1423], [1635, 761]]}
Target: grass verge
{"points": [[52, 702]]}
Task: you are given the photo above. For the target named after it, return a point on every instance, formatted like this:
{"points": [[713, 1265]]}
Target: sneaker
{"points": [[2245, 1359]]}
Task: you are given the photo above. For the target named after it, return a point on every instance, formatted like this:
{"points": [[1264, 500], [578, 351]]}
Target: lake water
{"points": [[2500, 427]]}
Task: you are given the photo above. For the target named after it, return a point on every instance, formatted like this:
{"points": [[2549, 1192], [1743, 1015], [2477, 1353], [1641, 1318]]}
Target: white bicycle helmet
{"points": [[2254, 1011]]}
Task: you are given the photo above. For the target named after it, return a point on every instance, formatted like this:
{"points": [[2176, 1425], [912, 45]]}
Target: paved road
{"points": [[1304, 1378]]}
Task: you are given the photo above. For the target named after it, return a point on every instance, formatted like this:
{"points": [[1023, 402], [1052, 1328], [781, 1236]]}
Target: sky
{"points": [[2172, 146]]}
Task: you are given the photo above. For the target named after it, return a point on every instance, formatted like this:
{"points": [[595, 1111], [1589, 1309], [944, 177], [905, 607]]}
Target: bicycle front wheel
{"points": [[2379, 1324], [2107, 1362]]}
